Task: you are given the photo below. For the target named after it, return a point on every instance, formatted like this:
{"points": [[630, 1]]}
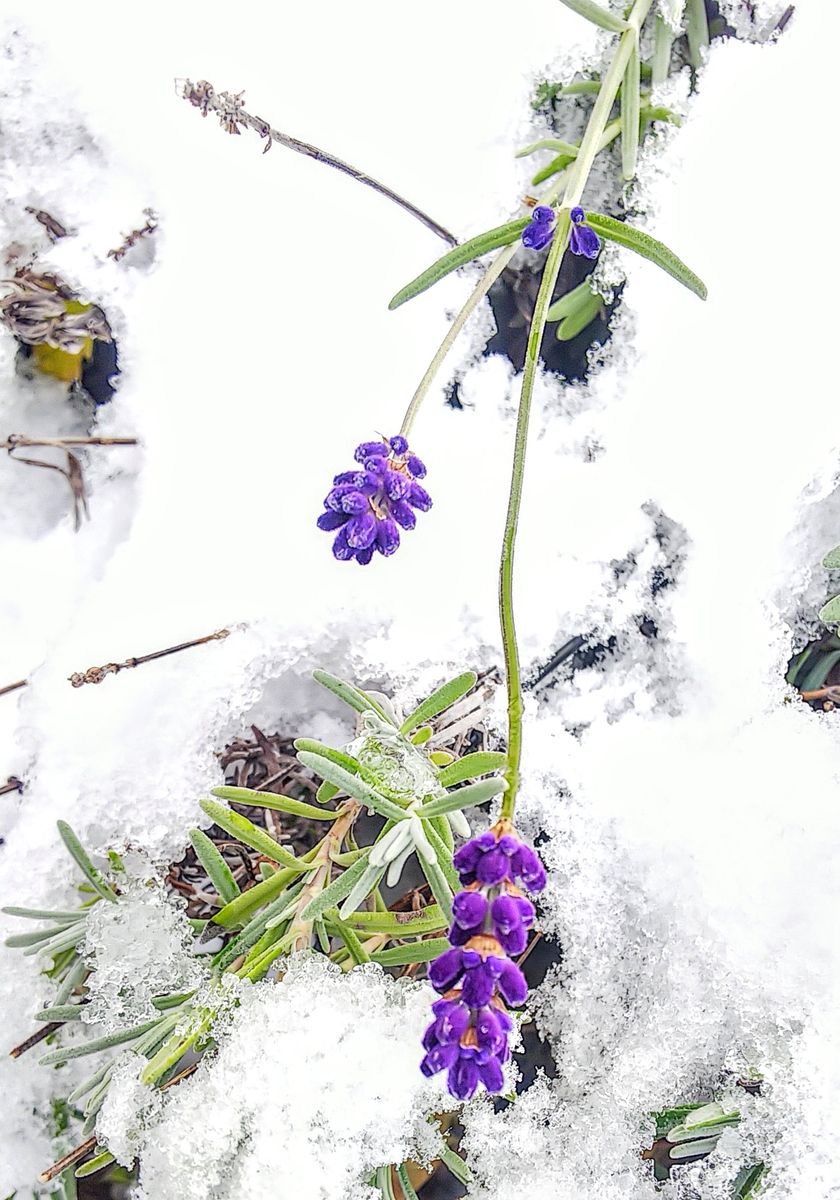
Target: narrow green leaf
{"points": [[572, 325], [246, 831], [243, 906], [818, 673], [440, 700], [421, 735], [350, 938], [339, 757], [443, 855], [663, 42], [298, 808], [64, 1053], [493, 239], [94, 877], [412, 952], [333, 894], [697, 29], [630, 104], [745, 1184], [456, 1165], [218, 872], [354, 785], [43, 914], [583, 87], [351, 695], [474, 793], [554, 144], [551, 168], [77, 973], [831, 561], [570, 302], [437, 882], [163, 1003], [443, 829], [405, 1183], [98, 1163], [597, 15], [251, 934], [60, 1012], [400, 924], [67, 937], [326, 792], [482, 762], [37, 936], [648, 247]]}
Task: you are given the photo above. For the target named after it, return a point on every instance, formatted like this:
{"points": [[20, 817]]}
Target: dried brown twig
{"points": [[136, 234], [13, 687], [12, 784], [228, 108], [97, 674], [72, 472]]}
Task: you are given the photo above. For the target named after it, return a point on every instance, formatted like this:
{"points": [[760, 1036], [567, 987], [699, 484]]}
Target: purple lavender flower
{"points": [[583, 239], [477, 976], [540, 230], [367, 507]]}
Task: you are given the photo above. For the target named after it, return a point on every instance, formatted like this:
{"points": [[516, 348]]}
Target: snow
{"points": [[686, 795]]}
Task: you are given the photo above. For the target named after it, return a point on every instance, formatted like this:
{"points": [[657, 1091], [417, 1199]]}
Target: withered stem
{"points": [[69, 1160], [13, 687], [35, 1038], [97, 674]]}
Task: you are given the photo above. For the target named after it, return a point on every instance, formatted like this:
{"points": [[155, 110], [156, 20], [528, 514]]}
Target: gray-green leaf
{"points": [[648, 247], [492, 239], [597, 15]]}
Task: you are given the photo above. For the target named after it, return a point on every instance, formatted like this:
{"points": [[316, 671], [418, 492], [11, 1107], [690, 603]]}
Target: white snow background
{"points": [[692, 816]]}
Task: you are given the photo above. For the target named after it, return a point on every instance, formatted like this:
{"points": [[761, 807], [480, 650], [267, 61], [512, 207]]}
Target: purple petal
{"points": [[527, 868], [399, 444], [368, 482], [387, 537], [403, 514], [514, 941], [376, 464], [346, 477], [396, 485], [364, 556], [451, 1025], [478, 986], [542, 215], [584, 241], [459, 936], [505, 914], [332, 520], [361, 531], [493, 867], [463, 1078], [354, 503], [438, 1059], [419, 497], [490, 1074], [512, 984], [489, 1032], [368, 450], [577, 215], [416, 466], [469, 909], [335, 496], [444, 970], [340, 547], [537, 237]]}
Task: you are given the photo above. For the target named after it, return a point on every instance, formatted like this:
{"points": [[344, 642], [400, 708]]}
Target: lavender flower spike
{"points": [[366, 506], [468, 1038], [583, 240], [539, 232]]}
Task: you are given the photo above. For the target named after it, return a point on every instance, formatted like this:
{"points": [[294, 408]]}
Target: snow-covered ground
{"points": [[691, 814]]}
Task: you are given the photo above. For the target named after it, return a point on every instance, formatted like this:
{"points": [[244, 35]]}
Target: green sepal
{"points": [[249, 833], [492, 239], [353, 784], [597, 15], [93, 876], [648, 247], [474, 793], [414, 952], [298, 808], [440, 700], [355, 697], [218, 872]]}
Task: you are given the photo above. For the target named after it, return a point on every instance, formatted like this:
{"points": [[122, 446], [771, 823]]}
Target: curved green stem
{"points": [[579, 173]]}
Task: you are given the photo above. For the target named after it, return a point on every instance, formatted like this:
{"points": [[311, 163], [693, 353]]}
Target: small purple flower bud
{"points": [[480, 982], [453, 1023], [387, 537], [332, 520], [403, 514], [444, 970], [469, 909], [361, 531], [527, 868], [490, 1034], [354, 503], [396, 486], [368, 450], [376, 465], [505, 914], [335, 496], [419, 497], [416, 466], [583, 240], [490, 1074], [493, 867], [463, 1078], [364, 556], [340, 547], [439, 1058], [346, 477], [398, 444], [542, 215], [514, 941], [536, 236], [512, 983]]}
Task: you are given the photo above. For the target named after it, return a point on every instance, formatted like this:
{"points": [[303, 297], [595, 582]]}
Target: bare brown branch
{"points": [[97, 674]]}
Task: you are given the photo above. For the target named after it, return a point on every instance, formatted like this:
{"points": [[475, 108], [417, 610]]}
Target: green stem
{"points": [[579, 173], [697, 30]]}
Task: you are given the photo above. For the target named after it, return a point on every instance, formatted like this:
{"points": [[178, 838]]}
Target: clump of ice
{"points": [[315, 1081], [137, 949]]}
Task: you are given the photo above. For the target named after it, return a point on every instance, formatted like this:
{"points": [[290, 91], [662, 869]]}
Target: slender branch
{"points": [[228, 107], [12, 784], [35, 1038], [17, 440], [577, 178], [13, 687], [97, 674], [69, 1160]]}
